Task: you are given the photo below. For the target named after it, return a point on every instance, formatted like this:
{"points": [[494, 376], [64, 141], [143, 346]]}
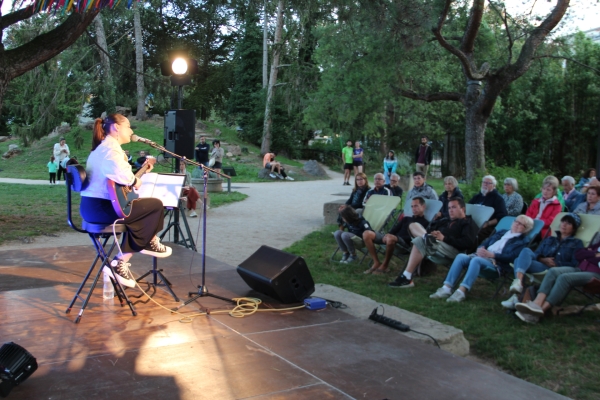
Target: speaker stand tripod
{"points": [[174, 224]]}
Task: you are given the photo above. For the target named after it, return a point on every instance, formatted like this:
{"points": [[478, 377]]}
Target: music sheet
{"points": [[165, 187]]}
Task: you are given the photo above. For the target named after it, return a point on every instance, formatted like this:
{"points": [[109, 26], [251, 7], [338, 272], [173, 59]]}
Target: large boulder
{"points": [[4, 138], [234, 149], [313, 168], [13, 150], [60, 130], [263, 173], [124, 111], [217, 132]]}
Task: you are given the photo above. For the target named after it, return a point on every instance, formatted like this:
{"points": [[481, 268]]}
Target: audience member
{"points": [[423, 156], [202, 151], [378, 189], [189, 191], [129, 158], [390, 163], [512, 199], [421, 188], [489, 196], [348, 161], [71, 161], [445, 237], [277, 170], [398, 234], [357, 158], [141, 159], [61, 150], [571, 196], [554, 251], [52, 167], [356, 226], [547, 206], [451, 190], [558, 282], [591, 205], [495, 254], [394, 185], [585, 179], [361, 187], [217, 153]]}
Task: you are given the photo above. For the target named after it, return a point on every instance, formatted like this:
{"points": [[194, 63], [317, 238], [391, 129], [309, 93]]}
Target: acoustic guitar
{"points": [[122, 196]]}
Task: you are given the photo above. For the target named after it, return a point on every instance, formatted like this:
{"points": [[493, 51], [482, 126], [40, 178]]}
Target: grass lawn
{"points": [[560, 353], [33, 210]]}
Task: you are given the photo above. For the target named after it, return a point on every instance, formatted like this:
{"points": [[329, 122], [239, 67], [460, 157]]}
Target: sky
{"points": [[582, 14]]}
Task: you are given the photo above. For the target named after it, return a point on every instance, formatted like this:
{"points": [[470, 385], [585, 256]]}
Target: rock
{"points": [[4, 138], [234, 149], [229, 154], [157, 117], [103, 115], [331, 211], [88, 126], [60, 130], [217, 132], [312, 167], [264, 173], [201, 125], [13, 150], [125, 111], [13, 147]]}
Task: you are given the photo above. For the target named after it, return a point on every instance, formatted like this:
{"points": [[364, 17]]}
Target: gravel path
{"points": [[276, 214]]}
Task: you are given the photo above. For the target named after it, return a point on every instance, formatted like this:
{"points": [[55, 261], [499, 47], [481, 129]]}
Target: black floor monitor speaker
{"points": [[280, 275], [180, 132]]}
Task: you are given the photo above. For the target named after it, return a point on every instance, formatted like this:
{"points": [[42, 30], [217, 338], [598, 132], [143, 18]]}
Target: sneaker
{"points": [[289, 178], [279, 176], [456, 297], [156, 249], [516, 286], [530, 308], [272, 175], [510, 303], [530, 319], [442, 293], [351, 259], [119, 269], [345, 257], [193, 214], [401, 282]]}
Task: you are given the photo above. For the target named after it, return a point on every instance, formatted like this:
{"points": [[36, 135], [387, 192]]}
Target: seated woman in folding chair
{"points": [[554, 251], [495, 253], [108, 161], [558, 282], [356, 225]]}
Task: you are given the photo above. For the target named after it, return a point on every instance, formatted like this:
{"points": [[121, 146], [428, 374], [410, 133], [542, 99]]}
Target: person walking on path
{"points": [[423, 156], [348, 161], [52, 167], [61, 151]]}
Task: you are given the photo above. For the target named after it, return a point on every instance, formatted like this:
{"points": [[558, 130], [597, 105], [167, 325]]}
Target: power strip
{"points": [[392, 323]]}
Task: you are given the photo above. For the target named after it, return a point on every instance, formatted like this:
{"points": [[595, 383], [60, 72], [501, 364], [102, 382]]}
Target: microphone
{"points": [[136, 138]]}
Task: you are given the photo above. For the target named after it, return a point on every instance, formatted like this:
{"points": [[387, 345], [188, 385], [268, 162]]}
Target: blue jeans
{"points": [[344, 240], [559, 281], [475, 266], [526, 262]]}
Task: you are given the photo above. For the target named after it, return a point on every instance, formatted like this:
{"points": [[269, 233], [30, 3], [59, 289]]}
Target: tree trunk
{"points": [[139, 64], [475, 122], [109, 88], [265, 48], [266, 140]]}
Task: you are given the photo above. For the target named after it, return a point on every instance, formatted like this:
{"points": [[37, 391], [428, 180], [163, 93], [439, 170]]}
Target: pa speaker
{"points": [[280, 275], [180, 132]]}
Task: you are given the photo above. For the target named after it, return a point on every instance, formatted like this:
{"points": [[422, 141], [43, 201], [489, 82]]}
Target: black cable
{"points": [[432, 338], [334, 304]]}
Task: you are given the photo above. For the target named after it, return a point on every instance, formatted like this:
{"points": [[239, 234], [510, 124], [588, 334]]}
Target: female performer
{"points": [[108, 161]]}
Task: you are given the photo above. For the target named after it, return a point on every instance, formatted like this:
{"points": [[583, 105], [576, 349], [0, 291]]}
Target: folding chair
{"points": [[479, 213], [76, 180], [377, 212]]}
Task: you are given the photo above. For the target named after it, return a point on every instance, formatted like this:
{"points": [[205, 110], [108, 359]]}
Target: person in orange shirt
{"points": [[272, 165]]}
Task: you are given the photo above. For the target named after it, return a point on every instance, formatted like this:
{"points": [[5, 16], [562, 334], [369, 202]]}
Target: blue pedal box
{"points": [[315, 303]]}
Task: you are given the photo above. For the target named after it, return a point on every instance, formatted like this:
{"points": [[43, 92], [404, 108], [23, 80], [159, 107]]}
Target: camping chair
{"points": [[377, 212], [76, 180], [479, 213]]}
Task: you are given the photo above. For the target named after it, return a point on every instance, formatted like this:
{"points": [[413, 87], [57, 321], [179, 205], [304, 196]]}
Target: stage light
{"points": [[16, 365], [179, 66]]}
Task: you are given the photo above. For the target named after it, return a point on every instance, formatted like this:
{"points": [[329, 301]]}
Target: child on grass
{"points": [[52, 168]]}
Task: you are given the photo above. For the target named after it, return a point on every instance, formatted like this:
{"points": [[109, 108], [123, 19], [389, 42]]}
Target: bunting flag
{"points": [[67, 6]]}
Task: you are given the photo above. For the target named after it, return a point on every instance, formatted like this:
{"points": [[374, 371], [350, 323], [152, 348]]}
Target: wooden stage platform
{"points": [[304, 354]]}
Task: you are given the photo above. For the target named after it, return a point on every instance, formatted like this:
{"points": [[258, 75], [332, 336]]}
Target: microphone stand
{"points": [[202, 289]]}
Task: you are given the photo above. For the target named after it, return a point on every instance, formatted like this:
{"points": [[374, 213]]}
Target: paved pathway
{"points": [[276, 214]]}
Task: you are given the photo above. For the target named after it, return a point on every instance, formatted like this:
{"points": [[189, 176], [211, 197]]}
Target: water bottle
{"points": [[109, 290]]}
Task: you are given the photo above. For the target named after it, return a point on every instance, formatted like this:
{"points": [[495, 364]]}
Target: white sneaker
{"points": [[119, 270], [530, 319], [289, 178], [442, 293], [516, 286], [530, 308], [156, 249], [279, 176], [193, 214], [456, 297], [511, 302], [272, 175]]}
